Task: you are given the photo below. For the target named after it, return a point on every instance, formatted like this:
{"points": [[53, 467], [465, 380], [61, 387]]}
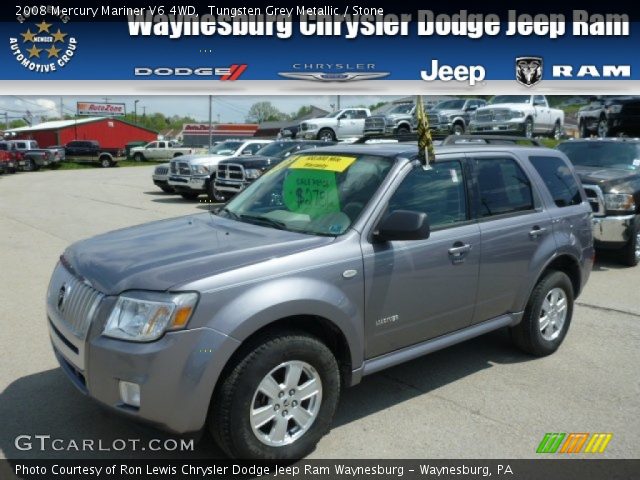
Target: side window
{"points": [[251, 149], [360, 114], [439, 192], [559, 180], [153, 145], [503, 187], [538, 100]]}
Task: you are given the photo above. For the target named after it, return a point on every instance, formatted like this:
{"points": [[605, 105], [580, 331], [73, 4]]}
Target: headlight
{"points": [[200, 169], [614, 108], [443, 118], [145, 316], [252, 173], [516, 114], [619, 202]]}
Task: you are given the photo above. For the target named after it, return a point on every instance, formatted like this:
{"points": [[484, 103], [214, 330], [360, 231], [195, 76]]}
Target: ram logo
{"points": [[528, 70], [592, 71]]}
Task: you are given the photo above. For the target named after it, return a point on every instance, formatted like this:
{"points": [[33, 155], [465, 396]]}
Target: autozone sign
{"points": [[101, 109]]}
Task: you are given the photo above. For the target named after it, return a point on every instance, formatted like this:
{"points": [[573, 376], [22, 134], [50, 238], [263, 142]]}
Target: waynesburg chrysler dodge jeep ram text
{"points": [[333, 265]]}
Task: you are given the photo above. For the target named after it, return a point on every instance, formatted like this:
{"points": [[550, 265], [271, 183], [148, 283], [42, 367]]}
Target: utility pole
{"points": [[338, 102], [135, 111], [106, 99], [210, 123], [144, 111], [6, 121], [61, 109]]}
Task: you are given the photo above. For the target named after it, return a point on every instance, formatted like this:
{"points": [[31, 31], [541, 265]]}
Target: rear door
{"points": [[421, 289], [515, 229], [542, 122]]}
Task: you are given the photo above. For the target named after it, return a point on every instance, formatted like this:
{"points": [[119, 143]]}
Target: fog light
{"points": [[130, 393]]}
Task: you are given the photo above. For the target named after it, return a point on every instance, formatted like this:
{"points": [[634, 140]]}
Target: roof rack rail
{"points": [[490, 140], [399, 137]]}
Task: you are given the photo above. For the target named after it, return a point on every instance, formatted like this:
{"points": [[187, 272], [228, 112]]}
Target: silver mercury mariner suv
{"points": [[335, 264]]}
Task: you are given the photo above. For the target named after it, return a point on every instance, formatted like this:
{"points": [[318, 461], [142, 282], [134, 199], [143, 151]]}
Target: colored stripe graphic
{"points": [[550, 443], [574, 442], [598, 443], [235, 71]]}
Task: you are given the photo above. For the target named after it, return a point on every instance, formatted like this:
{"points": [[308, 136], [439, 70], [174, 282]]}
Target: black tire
{"points": [[630, 253], [528, 128], [584, 131], [527, 334], [458, 129], [229, 421], [30, 165], [327, 134], [138, 157], [403, 130], [167, 189], [557, 132], [105, 162], [189, 195], [216, 195], [603, 128]]}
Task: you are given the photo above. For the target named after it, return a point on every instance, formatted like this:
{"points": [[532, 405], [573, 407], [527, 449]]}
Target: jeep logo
{"points": [[461, 73]]}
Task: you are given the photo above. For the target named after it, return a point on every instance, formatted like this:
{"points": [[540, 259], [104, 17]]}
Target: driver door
{"points": [[420, 289]]}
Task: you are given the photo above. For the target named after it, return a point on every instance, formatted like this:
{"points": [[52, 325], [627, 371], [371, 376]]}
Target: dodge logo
{"points": [[528, 70]]}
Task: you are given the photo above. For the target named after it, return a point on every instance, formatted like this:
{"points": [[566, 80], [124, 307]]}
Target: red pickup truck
{"points": [[8, 158]]}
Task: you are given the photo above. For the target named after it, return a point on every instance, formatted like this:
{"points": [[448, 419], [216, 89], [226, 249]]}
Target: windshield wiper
{"points": [[264, 220], [229, 213]]}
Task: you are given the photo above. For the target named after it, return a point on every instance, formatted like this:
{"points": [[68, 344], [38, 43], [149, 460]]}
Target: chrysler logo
{"points": [[61, 296], [334, 76]]}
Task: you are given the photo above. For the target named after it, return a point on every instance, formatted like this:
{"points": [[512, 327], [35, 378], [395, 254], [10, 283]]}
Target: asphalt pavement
{"points": [[480, 399]]}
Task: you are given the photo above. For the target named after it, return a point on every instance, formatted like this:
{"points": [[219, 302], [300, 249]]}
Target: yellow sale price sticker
{"points": [[332, 163]]}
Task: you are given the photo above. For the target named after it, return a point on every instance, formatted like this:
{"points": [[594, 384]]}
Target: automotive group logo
{"points": [[528, 70], [333, 72], [43, 47]]}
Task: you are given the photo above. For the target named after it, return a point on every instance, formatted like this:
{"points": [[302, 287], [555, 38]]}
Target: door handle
{"points": [[537, 231], [459, 249]]}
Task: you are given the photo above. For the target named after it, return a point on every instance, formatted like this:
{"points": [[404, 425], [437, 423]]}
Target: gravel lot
{"points": [[481, 399]]}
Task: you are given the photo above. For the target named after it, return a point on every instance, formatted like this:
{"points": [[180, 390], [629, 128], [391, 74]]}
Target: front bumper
{"points": [[230, 186], [193, 183], [310, 134], [612, 230], [507, 126]]}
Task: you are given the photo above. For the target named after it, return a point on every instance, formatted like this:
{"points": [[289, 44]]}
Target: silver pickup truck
{"points": [[335, 264]]}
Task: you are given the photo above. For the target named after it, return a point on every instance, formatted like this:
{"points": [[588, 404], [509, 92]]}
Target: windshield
{"points": [[226, 147], [311, 193], [404, 108], [276, 149], [333, 114], [603, 154], [450, 105], [510, 99]]}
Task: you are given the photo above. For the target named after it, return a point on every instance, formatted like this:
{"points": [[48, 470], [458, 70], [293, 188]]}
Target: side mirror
{"points": [[403, 225]]}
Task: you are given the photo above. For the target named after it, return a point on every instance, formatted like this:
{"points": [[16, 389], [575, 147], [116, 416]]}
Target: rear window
{"points": [[504, 187], [603, 154], [559, 179]]}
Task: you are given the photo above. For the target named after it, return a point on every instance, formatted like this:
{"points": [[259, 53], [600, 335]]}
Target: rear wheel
{"points": [[584, 131], [556, 133], [278, 400], [138, 157], [547, 317], [105, 162], [630, 254], [326, 134]]}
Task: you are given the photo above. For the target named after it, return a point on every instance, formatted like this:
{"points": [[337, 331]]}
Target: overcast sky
{"points": [[231, 108]]}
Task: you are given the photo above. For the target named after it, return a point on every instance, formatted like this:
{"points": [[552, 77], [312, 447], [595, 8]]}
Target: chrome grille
{"points": [[596, 199], [230, 171], [174, 167], [162, 171], [74, 300], [374, 123], [493, 115], [184, 168]]}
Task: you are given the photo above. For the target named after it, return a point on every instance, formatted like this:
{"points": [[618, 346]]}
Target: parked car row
{"points": [[27, 156]]}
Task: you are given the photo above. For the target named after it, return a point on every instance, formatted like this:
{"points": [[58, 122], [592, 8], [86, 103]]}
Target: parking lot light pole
{"points": [[135, 111], [210, 125]]}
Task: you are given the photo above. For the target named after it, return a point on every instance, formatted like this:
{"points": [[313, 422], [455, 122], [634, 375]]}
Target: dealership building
{"points": [[108, 132]]}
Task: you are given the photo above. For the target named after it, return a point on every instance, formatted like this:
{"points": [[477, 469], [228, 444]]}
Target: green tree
{"points": [[264, 112]]}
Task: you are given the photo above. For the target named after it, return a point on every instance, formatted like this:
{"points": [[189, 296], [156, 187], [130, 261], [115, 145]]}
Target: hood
{"points": [[201, 159], [253, 161], [446, 111], [321, 120], [160, 255], [606, 177]]}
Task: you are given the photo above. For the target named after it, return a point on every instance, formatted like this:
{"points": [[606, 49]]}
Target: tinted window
{"points": [[559, 180], [503, 187], [603, 154], [539, 100], [360, 114], [438, 192]]}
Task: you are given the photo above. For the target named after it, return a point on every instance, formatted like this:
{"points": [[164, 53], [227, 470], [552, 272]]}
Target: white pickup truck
{"points": [[160, 150], [527, 115], [345, 123]]}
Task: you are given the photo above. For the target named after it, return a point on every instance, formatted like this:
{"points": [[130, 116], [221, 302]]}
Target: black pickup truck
{"points": [[610, 117], [90, 151], [609, 169], [233, 175]]}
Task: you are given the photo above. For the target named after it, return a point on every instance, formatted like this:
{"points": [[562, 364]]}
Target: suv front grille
{"points": [[230, 171], [184, 168], [161, 170], [374, 123], [596, 199], [75, 301], [174, 167]]}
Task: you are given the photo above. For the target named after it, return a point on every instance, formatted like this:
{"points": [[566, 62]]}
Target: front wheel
{"points": [[556, 133], [528, 128], [278, 400], [603, 128], [30, 165], [458, 129], [216, 195], [403, 130], [327, 135], [138, 157], [106, 162], [547, 317], [630, 254]]}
